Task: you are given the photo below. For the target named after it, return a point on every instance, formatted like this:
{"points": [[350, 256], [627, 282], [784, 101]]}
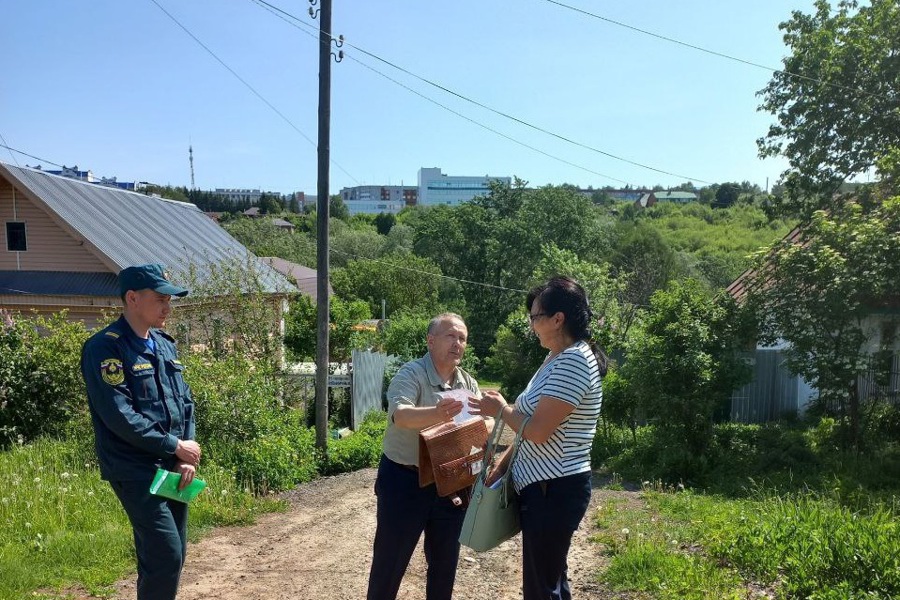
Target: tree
{"points": [[337, 209], [384, 222], [294, 204], [301, 327], [642, 256], [818, 291], [270, 204], [683, 363], [727, 194], [353, 243], [516, 353], [402, 281], [835, 101]]}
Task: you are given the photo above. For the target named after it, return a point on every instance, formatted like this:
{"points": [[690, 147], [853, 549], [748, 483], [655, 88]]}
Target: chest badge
{"points": [[111, 371]]}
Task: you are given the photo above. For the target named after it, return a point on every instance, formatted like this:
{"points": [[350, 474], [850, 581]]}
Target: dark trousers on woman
{"points": [[550, 513], [160, 538], [405, 511]]}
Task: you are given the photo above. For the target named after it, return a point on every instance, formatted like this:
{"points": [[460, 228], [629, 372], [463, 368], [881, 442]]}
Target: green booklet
{"points": [[165, 484]]}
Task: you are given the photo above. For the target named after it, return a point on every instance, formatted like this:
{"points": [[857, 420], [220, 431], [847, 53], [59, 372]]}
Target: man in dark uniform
{"points": [[143, 418]]}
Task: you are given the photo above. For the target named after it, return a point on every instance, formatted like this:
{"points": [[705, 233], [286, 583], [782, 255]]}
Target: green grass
{"points": [[647, 554], [61, 526], [803, 545]]}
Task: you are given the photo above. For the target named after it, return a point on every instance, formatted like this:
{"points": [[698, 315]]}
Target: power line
{"points": [[275, 10], [707, 50], [396, 266], [16, 160], [250, 87], [43, 160]]}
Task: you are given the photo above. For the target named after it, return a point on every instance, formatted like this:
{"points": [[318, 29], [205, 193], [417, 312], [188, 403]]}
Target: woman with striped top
{"points": [[559, 407]]}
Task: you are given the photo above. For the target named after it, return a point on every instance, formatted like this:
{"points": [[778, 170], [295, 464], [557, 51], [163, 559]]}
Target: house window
{"points": [[15, 236]]}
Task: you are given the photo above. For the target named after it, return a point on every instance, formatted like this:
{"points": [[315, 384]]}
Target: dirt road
{"points": [[321, 548]]}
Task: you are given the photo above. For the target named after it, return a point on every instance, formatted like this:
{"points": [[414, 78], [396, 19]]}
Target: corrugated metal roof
{"points": [[130, 228], [57, 283]]}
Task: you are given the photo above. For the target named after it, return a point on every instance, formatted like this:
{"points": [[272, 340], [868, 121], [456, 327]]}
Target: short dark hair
{"points": [[564, 294]]}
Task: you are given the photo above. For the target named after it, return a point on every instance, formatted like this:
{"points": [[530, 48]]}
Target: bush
{"points": [[609, 441], [41, 387], [360, 450], [242, 423]]}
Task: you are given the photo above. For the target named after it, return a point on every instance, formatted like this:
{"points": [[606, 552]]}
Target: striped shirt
{"points": [[572, 376]]}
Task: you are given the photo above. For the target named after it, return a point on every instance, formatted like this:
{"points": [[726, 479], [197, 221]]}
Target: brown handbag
{"points": [[450, 454]]}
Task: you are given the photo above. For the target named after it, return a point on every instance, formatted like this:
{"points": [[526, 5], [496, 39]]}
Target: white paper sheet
{"points": [[462, 396]]}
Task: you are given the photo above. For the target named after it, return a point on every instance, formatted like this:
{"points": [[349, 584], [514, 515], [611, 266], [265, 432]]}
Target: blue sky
{"points": [[117, 87]]}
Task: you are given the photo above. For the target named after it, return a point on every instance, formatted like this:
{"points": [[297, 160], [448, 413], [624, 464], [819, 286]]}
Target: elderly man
{"points": [[143, 417], [405, 510]]}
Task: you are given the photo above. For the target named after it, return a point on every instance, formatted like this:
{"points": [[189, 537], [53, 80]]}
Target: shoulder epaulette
{"points": [[112, 334], [165, 335]]}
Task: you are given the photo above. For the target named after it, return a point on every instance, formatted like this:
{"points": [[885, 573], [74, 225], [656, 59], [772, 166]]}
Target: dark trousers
{"points": [[160, 538], [550, 512], [405, 510]]}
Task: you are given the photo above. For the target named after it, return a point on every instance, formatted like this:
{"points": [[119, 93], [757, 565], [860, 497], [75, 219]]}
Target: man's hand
{"points": [[447, 408], [187, 472], [188, 451]]}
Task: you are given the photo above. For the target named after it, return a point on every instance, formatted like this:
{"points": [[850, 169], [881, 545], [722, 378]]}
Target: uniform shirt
{"points": [[417, 383], [572, 376], [139, 402]]}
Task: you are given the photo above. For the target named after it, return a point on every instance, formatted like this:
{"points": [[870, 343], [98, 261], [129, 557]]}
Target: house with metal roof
{"points": [[775, 391], [64, 241]]}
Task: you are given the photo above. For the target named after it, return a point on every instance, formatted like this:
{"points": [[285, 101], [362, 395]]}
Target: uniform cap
{"points": [[148, 277]]}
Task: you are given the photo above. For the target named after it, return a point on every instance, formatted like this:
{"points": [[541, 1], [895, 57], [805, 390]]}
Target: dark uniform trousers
{"points": [[160, 538], [405, 510], [550, 512]]}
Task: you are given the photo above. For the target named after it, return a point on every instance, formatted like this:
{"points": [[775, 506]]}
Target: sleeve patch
{"points": [[111, 371]]}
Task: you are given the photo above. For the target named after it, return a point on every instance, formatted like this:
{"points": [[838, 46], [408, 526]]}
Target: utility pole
{"points": [[322, 215]]}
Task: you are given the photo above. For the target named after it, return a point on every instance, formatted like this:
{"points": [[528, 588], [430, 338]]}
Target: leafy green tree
{"points": [[835, 101], [516, 354], [384, 222], [270, 204], [642, 258], [497, 240], [727, 194], [613, 316], [301, 327], [818, 292], [294, 204], [405, 337], [263, 238], [337, 209], [402, 281], [683, 363], [353, 243]]}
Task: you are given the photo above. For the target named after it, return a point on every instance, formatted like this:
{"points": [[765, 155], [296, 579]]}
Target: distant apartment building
{"points": [[241, 194], [375, 199], [88, 176], [437, 188]]}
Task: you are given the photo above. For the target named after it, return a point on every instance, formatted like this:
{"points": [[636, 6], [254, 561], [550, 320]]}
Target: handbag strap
{"points": [[493, 440]]}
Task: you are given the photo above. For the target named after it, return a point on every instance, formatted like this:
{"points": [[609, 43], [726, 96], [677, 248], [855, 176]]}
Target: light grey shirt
{"points": [[417, 383]]}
